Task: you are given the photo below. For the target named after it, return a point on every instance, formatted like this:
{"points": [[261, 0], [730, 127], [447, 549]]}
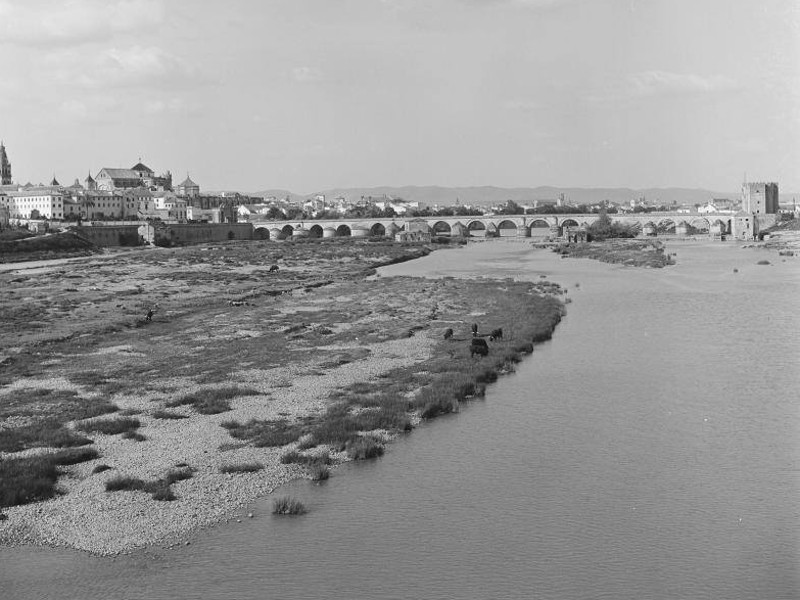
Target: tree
{"points": [[604, 228], [275, 213]]}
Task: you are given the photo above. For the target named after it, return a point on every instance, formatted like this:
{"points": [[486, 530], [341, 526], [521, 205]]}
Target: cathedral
{"points": [[5, 166]]}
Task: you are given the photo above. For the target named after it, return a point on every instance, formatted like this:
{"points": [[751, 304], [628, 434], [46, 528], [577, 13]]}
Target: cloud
{"points": [[47, 22], [652, 83], [522, 105], [306, 74], [118, 67]]}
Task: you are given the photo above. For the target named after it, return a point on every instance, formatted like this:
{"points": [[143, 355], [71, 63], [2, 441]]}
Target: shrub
{"points": [[163, 493], [34, 478], [166, 414], [110, 426], [134, 435], [101, 468], [178, 474], [250, 467], [265, 433], [73, 456], [319, 471], [287, 505], [125, 483], [364, 448], [45, 434], [213, 401]]}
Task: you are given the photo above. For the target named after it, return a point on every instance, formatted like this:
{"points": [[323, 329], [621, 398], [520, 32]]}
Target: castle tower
{"points": [[760, 198], [5, 166]]}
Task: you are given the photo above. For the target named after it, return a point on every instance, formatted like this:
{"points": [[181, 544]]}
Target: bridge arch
{"points": [[261, 233], [378, 230], [700, 225], [539, 228], [442, 228], [569, 223], [287, 231], [720, 227], [476, 228], [343, 231], [315, 231], [506, 228], [666, 226]]}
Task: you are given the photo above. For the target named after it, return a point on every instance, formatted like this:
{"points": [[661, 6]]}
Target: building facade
{"points": [[110, 179], [34, 203]]}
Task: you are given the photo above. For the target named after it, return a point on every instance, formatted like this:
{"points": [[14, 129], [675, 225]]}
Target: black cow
{"points": [[479, 347], [274, 268], [497, 334], [149, 316], [448, 333]]}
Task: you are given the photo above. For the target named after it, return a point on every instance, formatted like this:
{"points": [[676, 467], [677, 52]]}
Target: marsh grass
{"points": [[212, 401], [159, 489], [167, 414], [318, 471], [287, 505], [44, 434], [364, 448], [116, 426], [34, 478], [265, 433], [248, 467]]}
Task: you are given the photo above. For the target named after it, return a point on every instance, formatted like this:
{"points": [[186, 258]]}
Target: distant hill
{"points": [[281, 194], [488, 195]]}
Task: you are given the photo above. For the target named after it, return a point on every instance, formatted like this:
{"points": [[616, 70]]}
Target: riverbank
{"points": [[239, 365], [634, 253]]}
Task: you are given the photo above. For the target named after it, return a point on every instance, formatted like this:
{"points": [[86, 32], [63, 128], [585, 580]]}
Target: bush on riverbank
{"points": [[248, 467], [33, 478], [212, 401], [109, 426], [159, 489]]}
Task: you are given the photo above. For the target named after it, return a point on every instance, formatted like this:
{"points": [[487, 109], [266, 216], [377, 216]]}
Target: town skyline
{"points": [[316, 96]]}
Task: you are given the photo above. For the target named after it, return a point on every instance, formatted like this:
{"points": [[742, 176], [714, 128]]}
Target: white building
{"points": [[34, 203]]}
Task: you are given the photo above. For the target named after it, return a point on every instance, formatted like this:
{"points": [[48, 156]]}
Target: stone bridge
{"points": [[491, 225]]}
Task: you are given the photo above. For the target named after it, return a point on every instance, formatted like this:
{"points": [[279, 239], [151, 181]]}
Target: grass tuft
{"points": [[249, 467], [287, 505], [110, 426], [364, 448], [212, 401], [167, 414]]}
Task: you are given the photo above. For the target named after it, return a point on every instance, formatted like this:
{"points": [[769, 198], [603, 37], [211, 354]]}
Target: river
{"points": [[649, 451]]}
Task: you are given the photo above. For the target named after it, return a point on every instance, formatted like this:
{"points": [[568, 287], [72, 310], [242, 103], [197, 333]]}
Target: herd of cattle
{"points": [[478, 345]]}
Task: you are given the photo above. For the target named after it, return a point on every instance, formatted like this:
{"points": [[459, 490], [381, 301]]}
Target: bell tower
{"points": [[5, 166]]}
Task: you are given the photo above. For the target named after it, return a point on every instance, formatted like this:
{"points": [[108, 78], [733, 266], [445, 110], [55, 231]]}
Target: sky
{"points": [[308, 95]]}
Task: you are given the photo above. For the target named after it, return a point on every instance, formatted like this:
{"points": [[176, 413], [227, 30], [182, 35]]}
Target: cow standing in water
{"points": [[497, 334], [149, 316]]}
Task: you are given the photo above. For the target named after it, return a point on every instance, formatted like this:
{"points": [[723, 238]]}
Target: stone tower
{"points": [[5, 166], [760, 198]]}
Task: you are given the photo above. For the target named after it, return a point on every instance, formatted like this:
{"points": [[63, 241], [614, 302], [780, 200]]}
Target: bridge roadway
{"points": [[489, 225]]}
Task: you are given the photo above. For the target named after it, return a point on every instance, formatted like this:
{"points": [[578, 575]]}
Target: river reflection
{"points": [[649, 450]]}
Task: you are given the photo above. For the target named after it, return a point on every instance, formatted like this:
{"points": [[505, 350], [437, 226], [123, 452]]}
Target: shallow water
{"points": [[650, 450]]}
